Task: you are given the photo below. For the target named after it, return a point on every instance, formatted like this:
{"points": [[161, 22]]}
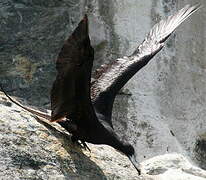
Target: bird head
{"points": [[135, 163], [129, 151]]}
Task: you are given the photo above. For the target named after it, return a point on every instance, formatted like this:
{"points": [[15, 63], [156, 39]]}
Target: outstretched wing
{"points": [[71, 89], [112, 77]]}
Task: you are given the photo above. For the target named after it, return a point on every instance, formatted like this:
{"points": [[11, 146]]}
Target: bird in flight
{"points": [[84, 108]]}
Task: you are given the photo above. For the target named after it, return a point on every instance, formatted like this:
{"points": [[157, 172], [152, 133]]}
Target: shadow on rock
{"points": [[83, 165]]}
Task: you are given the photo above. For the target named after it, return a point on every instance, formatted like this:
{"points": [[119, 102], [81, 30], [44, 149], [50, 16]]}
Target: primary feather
{"points": [[70, 94], [112, 77]]}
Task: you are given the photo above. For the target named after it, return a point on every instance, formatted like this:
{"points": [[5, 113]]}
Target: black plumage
{"points": [[84, 108]]}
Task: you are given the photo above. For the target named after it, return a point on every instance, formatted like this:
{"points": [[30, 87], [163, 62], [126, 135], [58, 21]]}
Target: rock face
{"points": [[162, 109], [33, 149], [38, 150], [32, 33], [172, 167]]}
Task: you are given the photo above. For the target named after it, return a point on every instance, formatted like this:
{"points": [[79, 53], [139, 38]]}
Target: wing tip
{"points": [[84, 21], [85, 18], [195, 7], [82, 30], [198, 6]]}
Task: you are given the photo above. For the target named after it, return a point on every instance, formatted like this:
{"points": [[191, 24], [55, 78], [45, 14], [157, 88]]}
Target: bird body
{"points": [[85, 109]]}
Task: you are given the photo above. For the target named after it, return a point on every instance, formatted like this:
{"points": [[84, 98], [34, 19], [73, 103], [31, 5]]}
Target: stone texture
{"points": [[162, 109], [32, 32], [36, 150], [165, 111], [32, 149], [172, 167]]}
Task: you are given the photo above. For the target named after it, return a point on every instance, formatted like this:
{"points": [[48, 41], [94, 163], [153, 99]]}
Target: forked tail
{"points": [[35, 112]]}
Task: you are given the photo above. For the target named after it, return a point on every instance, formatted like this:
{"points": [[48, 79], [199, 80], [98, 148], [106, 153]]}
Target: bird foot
{"points": [[81, 144], [84, 145]]}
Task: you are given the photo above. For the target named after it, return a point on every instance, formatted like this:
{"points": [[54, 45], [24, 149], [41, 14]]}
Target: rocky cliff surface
{"points": [[33, 149], [162, 109]]}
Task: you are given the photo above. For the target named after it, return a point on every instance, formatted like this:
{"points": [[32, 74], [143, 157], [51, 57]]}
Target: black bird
{"points": [[84, 108]]}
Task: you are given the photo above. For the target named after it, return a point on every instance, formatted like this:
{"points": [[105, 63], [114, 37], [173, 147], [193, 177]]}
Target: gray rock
{"points": [[165, 111], [35, 149], [32, 149], [172, 167], [162, 109], [32, 32]]}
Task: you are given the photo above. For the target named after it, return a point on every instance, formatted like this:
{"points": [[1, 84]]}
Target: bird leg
{"points": [[85, 145], [82, 143], [69, 125]]}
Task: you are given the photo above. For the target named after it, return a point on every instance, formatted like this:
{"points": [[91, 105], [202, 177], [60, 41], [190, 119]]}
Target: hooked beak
{"points": [[136, 164]]}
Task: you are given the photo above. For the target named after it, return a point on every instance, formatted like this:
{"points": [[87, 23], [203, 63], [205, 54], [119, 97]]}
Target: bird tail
{"points": [[35, 112]]}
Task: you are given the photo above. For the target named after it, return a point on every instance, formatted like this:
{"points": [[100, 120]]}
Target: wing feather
{"points": [[112, 77], [71, 89]]}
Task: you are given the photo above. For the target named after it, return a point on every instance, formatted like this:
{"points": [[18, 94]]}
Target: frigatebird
{"points": [[84, 108]]}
